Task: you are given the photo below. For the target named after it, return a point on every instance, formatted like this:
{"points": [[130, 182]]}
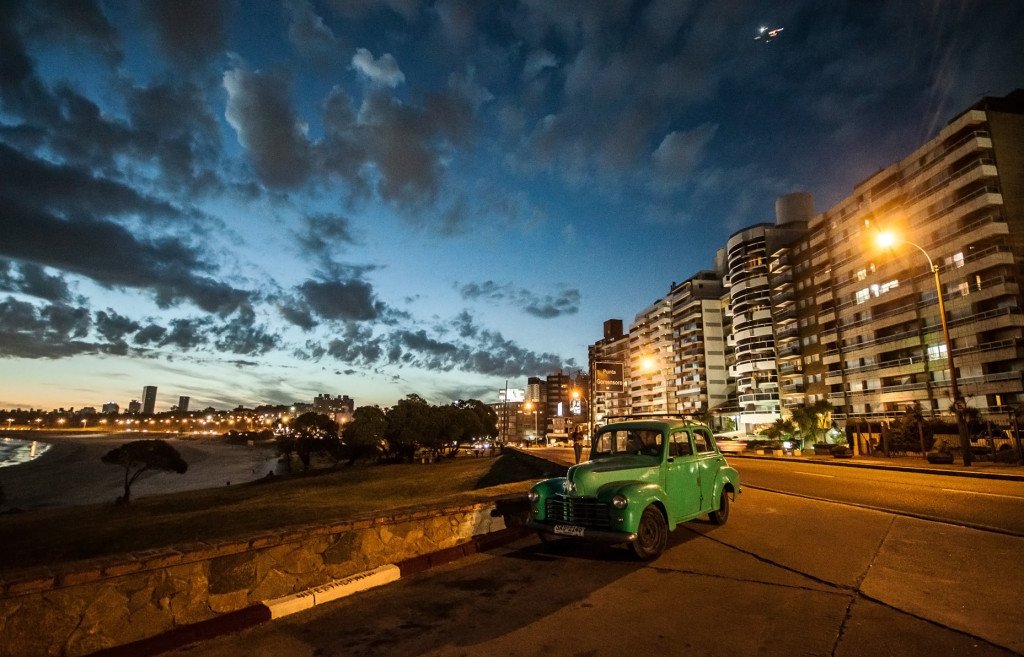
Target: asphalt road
{"points": [[963, 500], [786, 576]]}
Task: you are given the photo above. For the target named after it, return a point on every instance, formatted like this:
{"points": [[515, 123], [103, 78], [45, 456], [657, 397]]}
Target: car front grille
{"points": [[584, 511]]}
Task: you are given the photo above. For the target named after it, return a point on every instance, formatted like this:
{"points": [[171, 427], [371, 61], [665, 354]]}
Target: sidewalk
{"points": [[912, 463]]}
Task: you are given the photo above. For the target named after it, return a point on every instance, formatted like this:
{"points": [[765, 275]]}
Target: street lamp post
{"points": [[887, 240], [584, 402], [531, 406]]}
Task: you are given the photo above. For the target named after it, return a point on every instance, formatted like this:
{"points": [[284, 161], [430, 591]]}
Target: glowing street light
{"points": [[887, 240], [532, 407]]}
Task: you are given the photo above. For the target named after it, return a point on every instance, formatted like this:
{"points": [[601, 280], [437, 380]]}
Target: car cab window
{"points": [[627, 441], [679, 444], [703, 441]]}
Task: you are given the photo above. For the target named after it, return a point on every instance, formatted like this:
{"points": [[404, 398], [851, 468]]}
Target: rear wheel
{"points": [[720, 516], [651, 535]]}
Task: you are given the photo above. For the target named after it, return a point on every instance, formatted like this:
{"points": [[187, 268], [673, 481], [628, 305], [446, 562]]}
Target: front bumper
{"points": [[597, 535]]}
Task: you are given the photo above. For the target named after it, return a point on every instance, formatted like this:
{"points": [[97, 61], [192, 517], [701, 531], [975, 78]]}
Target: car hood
{"points": [[588, 477]]}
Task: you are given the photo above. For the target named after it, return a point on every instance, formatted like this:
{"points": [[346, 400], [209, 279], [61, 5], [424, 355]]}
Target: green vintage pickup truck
{"points": [[643, 478]]}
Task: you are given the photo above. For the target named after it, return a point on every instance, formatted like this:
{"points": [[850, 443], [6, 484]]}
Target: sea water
{"points": [[14, 451]]}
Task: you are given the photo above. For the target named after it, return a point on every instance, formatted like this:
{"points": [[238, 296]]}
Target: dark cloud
{"points": [[567, 302], [308, 32], [151, 334], [115, 327], [51, 331], [475, 350], [356, 345], [191, 32], [259, 110], [240, 334], [73, 190], [299, 316], [341, 299], [324, 235], [112, 256], [78, 21], [186, 334], [185, 143], [31, 279]]}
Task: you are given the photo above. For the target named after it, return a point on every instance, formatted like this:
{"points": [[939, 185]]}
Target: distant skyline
{"points": [[252, 202]]}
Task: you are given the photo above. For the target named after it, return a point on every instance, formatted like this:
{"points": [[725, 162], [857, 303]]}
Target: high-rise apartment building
{"points": [[148, 400], [698, 354], [813, 309], [650, 365], [751, 297], [556, 406], [608, 363], [959, 199], [183, 402]]}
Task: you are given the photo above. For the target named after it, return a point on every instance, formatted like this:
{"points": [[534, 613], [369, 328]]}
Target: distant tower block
{"points": [[798, 206]]}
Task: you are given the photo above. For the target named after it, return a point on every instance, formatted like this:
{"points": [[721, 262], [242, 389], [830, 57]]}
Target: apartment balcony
{"points": [[790, 368], [759, 399], [784, 315], [789, 351], [991, 384], [787, 333], [989, 227], [986, 197], [998, 318], [746, 367]]}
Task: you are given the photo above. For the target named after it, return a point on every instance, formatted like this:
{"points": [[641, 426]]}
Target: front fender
{"points": [[544, 490], [728, 479], [640, 495]]}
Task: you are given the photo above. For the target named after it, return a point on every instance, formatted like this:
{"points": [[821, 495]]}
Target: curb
{"points": [[262, 612]]}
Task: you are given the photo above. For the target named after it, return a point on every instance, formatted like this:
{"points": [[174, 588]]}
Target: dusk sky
{"points": [[256, 202]]}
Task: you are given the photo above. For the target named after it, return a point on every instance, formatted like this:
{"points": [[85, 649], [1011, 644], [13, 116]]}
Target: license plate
{"points": [[568, 530]]}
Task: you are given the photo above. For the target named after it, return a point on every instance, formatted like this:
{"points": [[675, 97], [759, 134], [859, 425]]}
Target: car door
{"points": [[709, 461], [682, 471]]}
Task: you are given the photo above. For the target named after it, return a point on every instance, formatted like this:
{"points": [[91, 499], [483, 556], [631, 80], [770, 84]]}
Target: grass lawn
{"points": [[55, 535]]}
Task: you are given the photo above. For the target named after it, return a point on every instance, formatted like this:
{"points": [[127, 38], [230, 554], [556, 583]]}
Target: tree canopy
{"points": [[141, 455]]}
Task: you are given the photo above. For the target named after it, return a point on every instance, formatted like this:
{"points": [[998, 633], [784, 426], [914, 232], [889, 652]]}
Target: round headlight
{"points": [[533, 496], [619, 502]]}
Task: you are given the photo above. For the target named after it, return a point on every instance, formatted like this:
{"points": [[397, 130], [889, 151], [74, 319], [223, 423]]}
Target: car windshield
{"points": [[627, 441]]}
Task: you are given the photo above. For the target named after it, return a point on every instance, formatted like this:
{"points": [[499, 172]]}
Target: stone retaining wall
{"points": [[82, 607]]}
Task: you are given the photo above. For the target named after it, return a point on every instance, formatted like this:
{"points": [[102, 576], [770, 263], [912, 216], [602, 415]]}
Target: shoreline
{"points": [[70, 472]]}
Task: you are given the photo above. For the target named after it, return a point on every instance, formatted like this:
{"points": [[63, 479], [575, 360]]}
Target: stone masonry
{"points": [[78, 608]]}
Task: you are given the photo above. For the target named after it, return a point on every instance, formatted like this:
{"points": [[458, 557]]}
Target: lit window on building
{"points": [[937, 352]]}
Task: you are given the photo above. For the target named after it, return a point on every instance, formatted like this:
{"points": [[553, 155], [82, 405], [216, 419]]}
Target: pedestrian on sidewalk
{"points": [[577, 443]]}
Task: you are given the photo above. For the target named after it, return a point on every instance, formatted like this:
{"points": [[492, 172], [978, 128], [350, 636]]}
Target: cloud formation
{"points": [[567, 302], [383, 71]]}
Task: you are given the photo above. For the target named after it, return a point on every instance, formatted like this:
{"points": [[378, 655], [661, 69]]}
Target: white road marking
{"points": [[973, 492], [814, 474]]}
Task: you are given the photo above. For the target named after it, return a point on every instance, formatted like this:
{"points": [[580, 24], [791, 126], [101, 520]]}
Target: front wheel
{"points": [[651, 535], [720, 516]]}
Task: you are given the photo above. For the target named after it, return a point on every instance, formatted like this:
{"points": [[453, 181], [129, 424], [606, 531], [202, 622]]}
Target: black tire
{"points": [[651, 535], [720, 516]]}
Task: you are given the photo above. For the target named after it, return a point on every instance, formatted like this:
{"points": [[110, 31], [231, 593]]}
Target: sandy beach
{"points": [[70, 473]]}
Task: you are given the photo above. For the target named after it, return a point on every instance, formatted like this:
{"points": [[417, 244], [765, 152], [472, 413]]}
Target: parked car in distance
{"points": [[730, 445], [644, 478]]}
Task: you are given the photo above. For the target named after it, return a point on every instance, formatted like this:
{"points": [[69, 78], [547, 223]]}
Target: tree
{"points": [[141, 455], [285, 448], [315, 433], [908, 432], [364, 435], [408, 422]]}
